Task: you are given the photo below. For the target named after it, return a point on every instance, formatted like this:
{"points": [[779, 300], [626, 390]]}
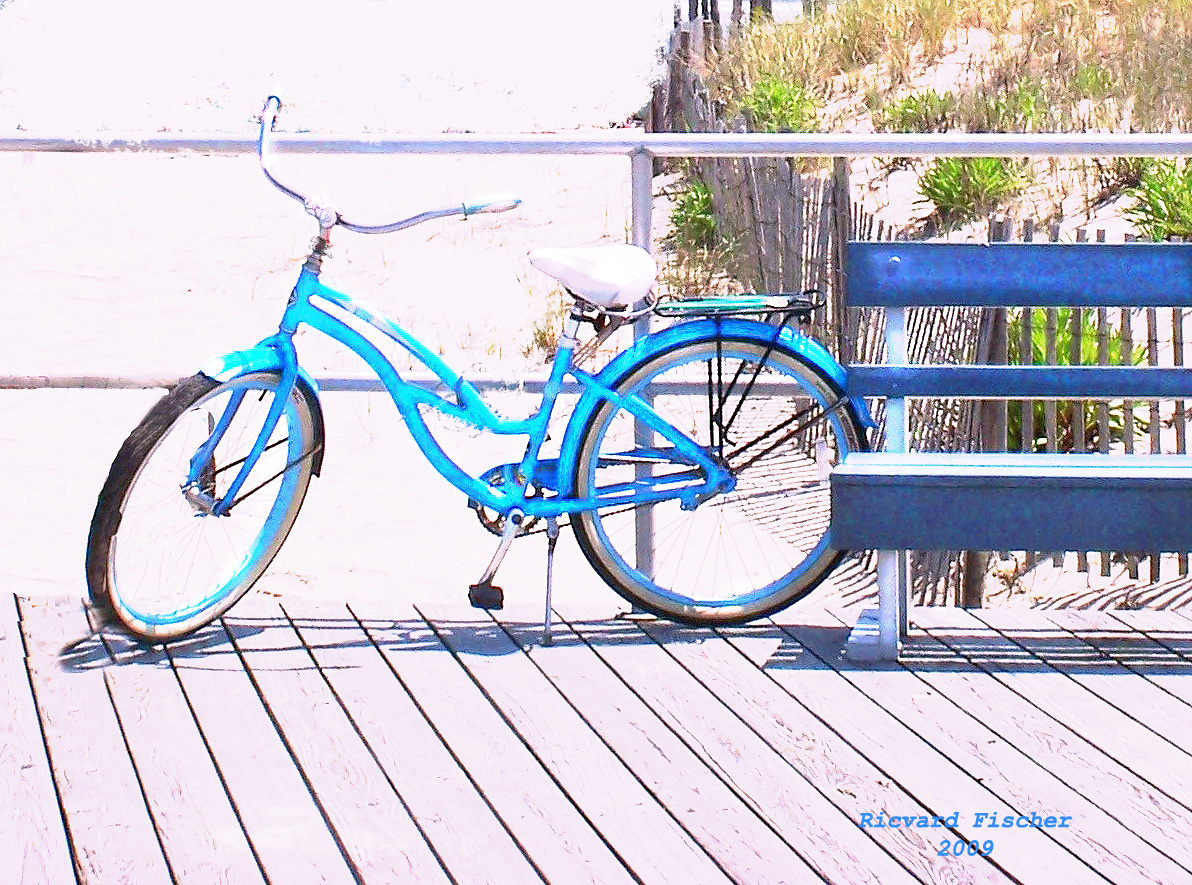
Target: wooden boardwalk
{"points": [[302, 743]]}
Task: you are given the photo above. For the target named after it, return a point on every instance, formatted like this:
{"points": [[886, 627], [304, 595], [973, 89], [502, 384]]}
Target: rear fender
{"points": [[265, 357]]}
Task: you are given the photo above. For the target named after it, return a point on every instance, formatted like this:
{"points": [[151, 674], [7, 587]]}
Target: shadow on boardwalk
{"points": [[299, 741]]}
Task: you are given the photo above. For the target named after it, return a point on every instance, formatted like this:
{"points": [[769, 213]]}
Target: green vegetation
{"points": [[1050, 65], [775, 105], [1017, 107], [1078, 64], [927, 111], [698, 255], [969, 188], [848, 36], [693, 226], [1164, 200], [1091, 81], [1090, 347]]}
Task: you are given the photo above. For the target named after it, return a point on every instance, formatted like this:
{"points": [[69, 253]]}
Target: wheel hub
{"points": [[203, 503]]}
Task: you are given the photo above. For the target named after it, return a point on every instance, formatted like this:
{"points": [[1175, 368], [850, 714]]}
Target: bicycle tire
{"points": [[160, 606], [746, 552]]}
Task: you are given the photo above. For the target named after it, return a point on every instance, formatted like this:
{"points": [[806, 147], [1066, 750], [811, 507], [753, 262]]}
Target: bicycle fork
{"points": [[199, 488]]}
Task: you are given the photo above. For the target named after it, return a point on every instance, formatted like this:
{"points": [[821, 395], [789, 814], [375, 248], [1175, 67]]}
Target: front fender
{"points": [[807, 349], [265, 357]]}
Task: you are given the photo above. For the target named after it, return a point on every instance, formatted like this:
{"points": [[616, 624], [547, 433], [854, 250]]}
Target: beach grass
{"points": [[981, 66]]}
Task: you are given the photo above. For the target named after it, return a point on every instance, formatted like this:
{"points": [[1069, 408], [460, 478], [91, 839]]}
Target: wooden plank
{"points": [[1092, 665], [766, 169], [198, 827], [798, 231], [110, 828], [911, 730], [729, 829], [33, 839], [543, 819], [632, 821], [1130, 649], [462, 827], [285, 825], [1004, 698], [1130, 740], [754, 196], [837, 770], [1103, 338], [1169, 628], [371, 822], [1075, 358], [790, 221], [1155, 423], [1180, 418], [1127, 359], [823, 834]]}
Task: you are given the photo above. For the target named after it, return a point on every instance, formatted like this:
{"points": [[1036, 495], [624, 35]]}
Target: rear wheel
{"points": [[777, 424], [158, 561]]}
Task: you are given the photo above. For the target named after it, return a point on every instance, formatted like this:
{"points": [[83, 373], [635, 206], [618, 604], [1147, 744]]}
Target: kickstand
{"points": [[484, 593], [552, 538]]}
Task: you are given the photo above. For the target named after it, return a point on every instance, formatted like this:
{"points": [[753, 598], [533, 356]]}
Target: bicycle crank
{"points": [[493, 521]]}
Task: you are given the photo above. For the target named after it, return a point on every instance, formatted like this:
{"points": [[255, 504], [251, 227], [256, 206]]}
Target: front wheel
{"points": [[159, 561], [777, 425]]}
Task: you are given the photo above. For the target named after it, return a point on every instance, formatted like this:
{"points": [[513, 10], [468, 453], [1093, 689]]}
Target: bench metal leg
{"points": [[878, 633]]}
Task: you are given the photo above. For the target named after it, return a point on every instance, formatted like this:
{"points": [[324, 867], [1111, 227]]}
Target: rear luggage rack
{"points": [[784, 304]]}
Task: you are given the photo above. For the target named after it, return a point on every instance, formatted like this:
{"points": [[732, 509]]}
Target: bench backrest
{"points": [[900, 275], [1019, 274]]}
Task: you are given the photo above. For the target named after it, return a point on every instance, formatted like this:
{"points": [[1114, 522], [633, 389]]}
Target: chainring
{"points": [[500, 477]]}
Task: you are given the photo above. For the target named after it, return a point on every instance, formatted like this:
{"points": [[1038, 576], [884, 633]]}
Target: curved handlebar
{"points": [[328, 217]]}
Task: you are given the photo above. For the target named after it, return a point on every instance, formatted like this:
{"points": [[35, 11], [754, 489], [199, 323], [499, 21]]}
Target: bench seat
{"points": [[889, 501], [898, 501]]}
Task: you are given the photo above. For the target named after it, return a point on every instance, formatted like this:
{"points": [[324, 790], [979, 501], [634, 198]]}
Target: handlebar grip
{"points": [[502, 203], [269, 114]]}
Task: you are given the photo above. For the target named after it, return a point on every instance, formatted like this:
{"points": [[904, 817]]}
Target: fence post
{"points": [[841, 217], [1076, 358], [992, 349]]}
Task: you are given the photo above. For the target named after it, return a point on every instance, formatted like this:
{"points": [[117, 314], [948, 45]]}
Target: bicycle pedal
{"points": [[486, 596]]}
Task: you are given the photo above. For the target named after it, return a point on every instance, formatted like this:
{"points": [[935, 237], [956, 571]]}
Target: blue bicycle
{"points": [[693, 469]]}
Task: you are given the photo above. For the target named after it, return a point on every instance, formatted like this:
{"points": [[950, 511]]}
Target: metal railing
{"points": [[641, 149]]}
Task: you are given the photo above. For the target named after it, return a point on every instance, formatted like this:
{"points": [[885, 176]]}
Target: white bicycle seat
{"points": [[607, 276]]}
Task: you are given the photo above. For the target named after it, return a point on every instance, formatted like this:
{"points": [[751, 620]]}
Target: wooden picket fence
{"points": [[788, 225]]}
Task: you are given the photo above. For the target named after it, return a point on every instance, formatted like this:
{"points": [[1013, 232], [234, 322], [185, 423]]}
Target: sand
{"points": [[151, 264], [344, 65]]}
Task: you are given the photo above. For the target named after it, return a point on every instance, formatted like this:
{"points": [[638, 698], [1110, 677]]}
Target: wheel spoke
{"points": [[169, 569], [753, 547]]}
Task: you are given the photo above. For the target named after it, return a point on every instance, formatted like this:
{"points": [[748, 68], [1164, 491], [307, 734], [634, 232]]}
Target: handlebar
{"points": [[328, 217]]}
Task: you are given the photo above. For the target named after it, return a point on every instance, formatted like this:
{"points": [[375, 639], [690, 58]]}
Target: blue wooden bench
{"points": [[895, 501]]}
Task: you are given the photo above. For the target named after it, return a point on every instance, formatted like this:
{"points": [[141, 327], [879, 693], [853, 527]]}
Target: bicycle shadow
{"points": [[108, 648], [328, 641]]}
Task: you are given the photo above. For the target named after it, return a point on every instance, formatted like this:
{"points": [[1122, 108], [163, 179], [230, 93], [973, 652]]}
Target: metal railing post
{"points": [[641, 175]]}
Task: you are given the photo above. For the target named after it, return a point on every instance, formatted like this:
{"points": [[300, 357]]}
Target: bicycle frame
{"points": [[277, 353]]}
